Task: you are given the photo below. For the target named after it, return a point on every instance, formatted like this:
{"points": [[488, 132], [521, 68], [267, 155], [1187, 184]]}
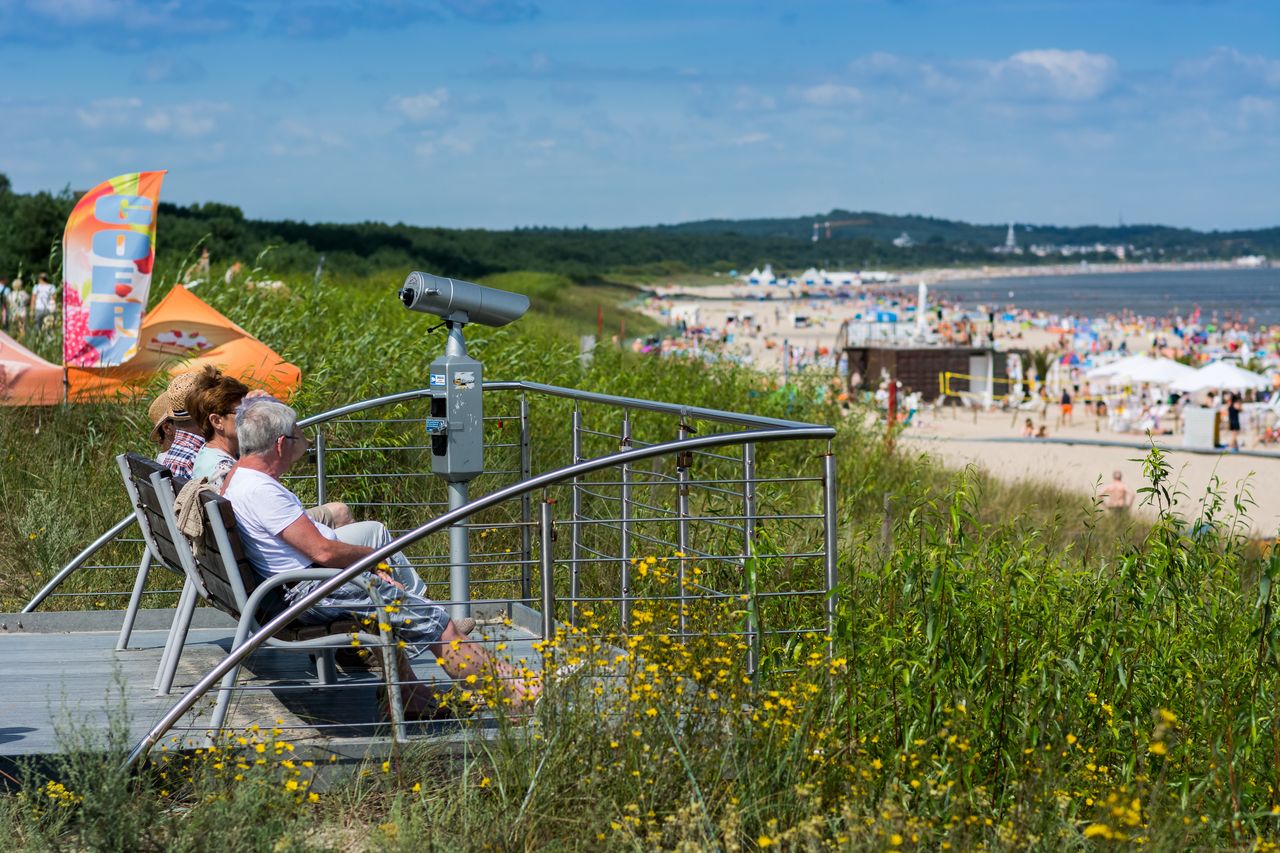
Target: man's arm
{"points": [[303, 535]]}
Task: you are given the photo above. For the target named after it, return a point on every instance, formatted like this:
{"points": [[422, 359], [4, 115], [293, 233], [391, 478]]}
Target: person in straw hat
{"points": [[173, 428]]}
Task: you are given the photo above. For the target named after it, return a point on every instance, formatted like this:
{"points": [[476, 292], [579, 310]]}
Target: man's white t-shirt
{"points": [[45, 295], [264, 508]]}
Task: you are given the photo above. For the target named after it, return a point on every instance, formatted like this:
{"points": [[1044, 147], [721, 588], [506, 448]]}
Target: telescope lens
{"points": [[406, 296]]}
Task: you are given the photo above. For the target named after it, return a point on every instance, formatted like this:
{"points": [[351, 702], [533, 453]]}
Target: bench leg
{"points": [[135, 600], [177, 638], [228, 685], [326, 667]]}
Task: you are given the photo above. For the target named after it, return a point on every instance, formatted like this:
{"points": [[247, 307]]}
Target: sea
{"points": [[1248, 295]]}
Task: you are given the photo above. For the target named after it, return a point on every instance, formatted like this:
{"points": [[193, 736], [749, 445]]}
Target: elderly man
{"points": [[278, 536]]}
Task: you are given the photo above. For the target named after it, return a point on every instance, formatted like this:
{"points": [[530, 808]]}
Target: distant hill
{"points": [[852, 225], [31, 227]]}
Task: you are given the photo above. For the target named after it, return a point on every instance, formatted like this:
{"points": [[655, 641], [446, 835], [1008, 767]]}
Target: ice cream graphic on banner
{"points": [[108, 252]]}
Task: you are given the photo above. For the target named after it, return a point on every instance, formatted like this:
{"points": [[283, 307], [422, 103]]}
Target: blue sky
{"points": [[495, 113]]}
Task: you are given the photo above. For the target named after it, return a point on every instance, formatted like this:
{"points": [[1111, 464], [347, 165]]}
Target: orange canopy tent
{"points": [[183, 332], [26, 379]]}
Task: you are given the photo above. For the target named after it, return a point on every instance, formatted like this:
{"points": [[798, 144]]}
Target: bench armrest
{"points": [[313, 574]]}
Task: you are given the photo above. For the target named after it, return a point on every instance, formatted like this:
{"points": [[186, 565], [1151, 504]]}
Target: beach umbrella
{"points": [[1118, 368], [1160, 371], [1222, 376]]}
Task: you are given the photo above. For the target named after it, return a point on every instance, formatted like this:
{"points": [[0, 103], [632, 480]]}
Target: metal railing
{"points": [[749, 513], [547, 560]]}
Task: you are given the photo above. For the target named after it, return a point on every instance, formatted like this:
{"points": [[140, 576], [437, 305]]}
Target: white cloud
{"points": [[108, 112], [1228, 67], [753, 138], [1046, 74], [191, 120], [422, 106], [1072, 75], [830, 95]]}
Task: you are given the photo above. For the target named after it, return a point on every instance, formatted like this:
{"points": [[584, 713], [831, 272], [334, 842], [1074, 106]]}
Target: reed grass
{"points": [[1012, 668]]}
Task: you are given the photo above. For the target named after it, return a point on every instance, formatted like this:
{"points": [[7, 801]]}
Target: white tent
{"points": [[1120, 368], [1160, 371], [1222, 376]]}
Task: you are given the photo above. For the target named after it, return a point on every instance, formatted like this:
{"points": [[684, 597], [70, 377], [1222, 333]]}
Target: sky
{"points": [[502, 113]]}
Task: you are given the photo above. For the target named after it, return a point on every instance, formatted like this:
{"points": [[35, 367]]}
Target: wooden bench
{"points": [[152, 488]]}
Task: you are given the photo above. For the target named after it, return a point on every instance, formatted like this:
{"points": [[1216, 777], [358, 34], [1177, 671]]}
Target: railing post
{"points": [[575, 514], [749, 498], [322, 486], [748, 549], [683, 463], [547, 564], [829, 543], [624, 549], [526, 505]]}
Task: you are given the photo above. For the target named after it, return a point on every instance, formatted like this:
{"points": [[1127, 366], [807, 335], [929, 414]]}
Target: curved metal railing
{"points": [[685, 414], [779, 431]]}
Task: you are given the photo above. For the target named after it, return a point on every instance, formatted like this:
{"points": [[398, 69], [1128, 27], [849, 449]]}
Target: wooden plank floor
{"points": [[60, 671]]}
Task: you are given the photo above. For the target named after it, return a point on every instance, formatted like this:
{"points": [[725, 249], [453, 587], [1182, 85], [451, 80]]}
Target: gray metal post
{"points": [[829, 543], [135, 601], [177, 636], [682, 526], [322, 486], [459, 495], [547, 563], [459, 556], [575, 515], [749, 498], [624, 547], [526, 501]]}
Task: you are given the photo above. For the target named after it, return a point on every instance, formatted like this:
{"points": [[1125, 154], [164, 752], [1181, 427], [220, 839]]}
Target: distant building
{"points": [[1010, 246], [903, 241]]}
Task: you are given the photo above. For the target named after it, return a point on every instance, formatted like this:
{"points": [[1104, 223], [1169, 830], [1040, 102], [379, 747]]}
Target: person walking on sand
{"points": [[1066, 407], [1117, 496], [1234, 408]]}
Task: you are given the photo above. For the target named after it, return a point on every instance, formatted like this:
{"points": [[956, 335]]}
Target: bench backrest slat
{"points": [[138, 471], [227, 591]]}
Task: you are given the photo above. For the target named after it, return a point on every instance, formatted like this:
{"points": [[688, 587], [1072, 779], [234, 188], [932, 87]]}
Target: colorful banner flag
{"points": [[108, 251]]}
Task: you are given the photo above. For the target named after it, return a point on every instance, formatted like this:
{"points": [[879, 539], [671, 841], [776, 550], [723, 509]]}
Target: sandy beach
{"points": [[956, 440], [989, 440]]}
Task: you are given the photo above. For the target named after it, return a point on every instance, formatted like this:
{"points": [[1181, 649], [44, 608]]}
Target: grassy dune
{"points": [[1012, 670]]}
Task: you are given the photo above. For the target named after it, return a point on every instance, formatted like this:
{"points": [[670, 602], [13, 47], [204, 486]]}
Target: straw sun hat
{"points": [[172, 402]]}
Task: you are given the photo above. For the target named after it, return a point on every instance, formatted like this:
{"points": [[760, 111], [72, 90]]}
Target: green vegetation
{"points": [[31, 230], [1012, 668]]}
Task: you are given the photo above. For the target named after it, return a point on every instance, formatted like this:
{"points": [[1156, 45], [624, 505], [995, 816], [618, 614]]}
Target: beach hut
{"points": [[1222, 376]]}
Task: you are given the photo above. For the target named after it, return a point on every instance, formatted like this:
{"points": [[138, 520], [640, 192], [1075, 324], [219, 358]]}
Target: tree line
{"points": [[31, 229]]}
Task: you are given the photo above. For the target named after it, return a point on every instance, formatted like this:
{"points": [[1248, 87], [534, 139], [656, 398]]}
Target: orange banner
{"points": [[108, 251]]}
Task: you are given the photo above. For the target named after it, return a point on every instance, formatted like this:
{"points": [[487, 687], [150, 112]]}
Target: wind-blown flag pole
{"points": [[108, 251]]}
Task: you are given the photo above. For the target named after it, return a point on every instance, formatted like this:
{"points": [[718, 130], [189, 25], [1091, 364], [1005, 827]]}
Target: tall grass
{"points": [[1012, 668]]}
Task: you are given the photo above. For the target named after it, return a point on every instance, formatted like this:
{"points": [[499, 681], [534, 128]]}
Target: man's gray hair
{"points": [[260, 421]]}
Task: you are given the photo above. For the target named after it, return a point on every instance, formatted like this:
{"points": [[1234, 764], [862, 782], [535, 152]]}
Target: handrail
{"points": [[440, 522], [680, 410], [78, 561]]}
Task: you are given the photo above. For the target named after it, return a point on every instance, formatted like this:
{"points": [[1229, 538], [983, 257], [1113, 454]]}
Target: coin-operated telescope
{"points": [[456, 421]]}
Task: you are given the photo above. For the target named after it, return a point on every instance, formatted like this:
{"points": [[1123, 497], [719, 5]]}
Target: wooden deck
{"points": [[60, 672]]}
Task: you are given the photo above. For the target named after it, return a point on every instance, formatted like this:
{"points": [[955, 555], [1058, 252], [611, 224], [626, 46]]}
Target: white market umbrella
{"points": [[1222, 376], [1119, 368], [1161, 371]]}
